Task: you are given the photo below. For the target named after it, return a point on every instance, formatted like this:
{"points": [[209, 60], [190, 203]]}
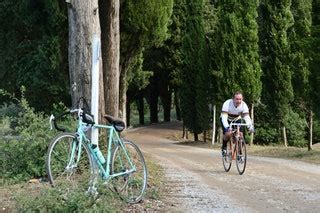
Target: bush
{"points": [[296, 129], [268, 131], [265, 134], [316, 132], [23, 144]]}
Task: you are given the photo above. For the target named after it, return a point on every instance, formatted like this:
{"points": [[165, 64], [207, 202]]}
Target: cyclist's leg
{"points": [[226, 137]]}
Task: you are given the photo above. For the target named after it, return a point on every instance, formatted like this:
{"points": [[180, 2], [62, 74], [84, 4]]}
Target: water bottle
{"points": [[98, 154]]}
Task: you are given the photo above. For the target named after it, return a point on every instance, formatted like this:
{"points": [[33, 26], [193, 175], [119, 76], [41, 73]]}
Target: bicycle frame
{"points": [[113, 138], [235, 133]]}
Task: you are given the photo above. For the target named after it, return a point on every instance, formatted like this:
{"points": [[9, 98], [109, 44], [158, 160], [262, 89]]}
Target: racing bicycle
{"points": [[71, 160], [236, 147]]}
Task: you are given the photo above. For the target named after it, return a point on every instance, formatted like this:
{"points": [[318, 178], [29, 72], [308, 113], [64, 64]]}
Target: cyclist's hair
{"points": [[237, 93]]}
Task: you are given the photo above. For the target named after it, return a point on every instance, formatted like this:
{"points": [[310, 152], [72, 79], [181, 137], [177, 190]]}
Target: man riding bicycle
{"points": [[231, 109]]}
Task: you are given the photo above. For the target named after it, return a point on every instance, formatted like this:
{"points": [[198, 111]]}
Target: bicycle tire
{"points": [[58, 158], [227, 159], [130, 187], [241, 156]]}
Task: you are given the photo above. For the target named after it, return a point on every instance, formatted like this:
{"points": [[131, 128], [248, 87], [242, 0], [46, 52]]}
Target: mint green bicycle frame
{"points": [[113, 138]]}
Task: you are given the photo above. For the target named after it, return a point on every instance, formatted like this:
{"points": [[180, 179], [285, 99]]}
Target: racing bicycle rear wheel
{"points": [[130, 186], [227, 158]]}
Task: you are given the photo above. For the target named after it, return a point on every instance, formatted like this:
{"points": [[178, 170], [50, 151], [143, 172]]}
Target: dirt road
{"points": [[198, 183]]}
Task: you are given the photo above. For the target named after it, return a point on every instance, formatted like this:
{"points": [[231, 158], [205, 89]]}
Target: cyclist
{"points": [[231, 109]]}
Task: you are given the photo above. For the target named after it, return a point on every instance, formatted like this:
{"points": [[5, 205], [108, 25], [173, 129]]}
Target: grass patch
{"points": [[295, 153], [156, 181], [38, 197], [276, 151]]}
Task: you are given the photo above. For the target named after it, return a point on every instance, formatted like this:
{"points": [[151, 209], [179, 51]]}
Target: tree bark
{"points": [[153, 101], [123, 94], [154, 109], [140, 107], [110, 27], [195, 136], [166, 96], [128, 113], [83, 18], [177, 104], [184, 131], [284, 136]]}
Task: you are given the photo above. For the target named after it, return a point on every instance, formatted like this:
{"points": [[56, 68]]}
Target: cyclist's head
{"points": [[237, 98]]}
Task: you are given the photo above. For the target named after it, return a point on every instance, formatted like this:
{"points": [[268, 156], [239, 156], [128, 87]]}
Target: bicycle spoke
{"points": [[227, 159], [63, 171], [241, 157], [132, 185]]}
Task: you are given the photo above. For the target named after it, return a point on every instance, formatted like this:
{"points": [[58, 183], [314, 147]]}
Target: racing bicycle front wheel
{"points": [[63, 167], [131, 186], [241, 157]]}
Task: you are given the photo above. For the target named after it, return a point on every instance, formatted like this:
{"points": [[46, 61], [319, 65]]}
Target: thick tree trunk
{"points": [[123, 94], [153, 101], [166, 97], [154, 109], [195, 136], [83, 18], [140, 107], [184, 132], [128, 113], [310, 130], [177, 104], [110, 27]]}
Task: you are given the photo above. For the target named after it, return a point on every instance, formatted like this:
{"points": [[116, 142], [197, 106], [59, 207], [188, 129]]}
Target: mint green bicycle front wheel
{"points": [[62, 164]]}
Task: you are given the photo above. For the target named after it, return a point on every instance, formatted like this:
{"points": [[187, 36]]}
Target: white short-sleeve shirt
{"points": [[233, 111]]}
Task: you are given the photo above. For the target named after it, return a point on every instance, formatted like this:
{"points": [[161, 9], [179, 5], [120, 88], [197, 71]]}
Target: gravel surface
{"points": [[197, 181]]}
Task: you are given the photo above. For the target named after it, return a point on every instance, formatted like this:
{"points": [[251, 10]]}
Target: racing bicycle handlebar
{"points": [[81, 114]]}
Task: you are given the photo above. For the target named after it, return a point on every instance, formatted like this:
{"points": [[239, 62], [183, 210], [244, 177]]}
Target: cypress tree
{"points": [[194, 84], [143, 24], [236, 50], [314, 64], [299, 34], [277, 87], [315, 57], [34, 51]]}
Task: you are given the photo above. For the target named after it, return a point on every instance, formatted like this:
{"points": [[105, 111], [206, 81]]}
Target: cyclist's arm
{"points": [[224, 114], [224, 119], [247, 118]]}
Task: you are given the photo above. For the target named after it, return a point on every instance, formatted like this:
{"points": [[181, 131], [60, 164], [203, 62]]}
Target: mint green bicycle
{"points": [[71, 160]]}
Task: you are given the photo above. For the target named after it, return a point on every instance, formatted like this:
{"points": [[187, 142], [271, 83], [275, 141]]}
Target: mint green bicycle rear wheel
{"points": [[131, 186], [63, 169]]}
